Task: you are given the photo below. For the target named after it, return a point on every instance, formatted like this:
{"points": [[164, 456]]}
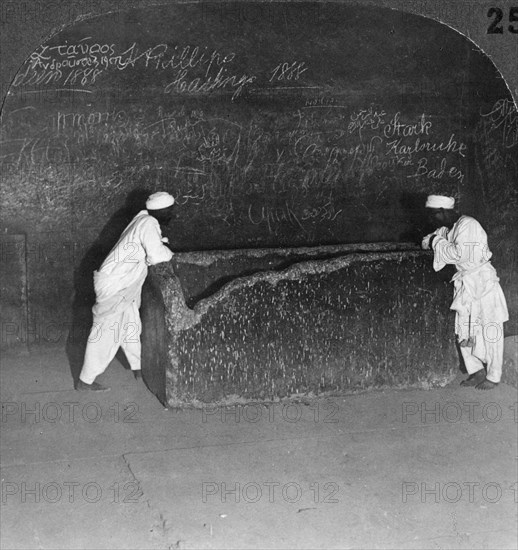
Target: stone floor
{"points": [[390, 469]]}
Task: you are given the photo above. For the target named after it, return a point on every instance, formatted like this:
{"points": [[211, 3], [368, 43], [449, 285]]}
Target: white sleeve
{"points": [[467, 245], [445, 252], [156, 251]]}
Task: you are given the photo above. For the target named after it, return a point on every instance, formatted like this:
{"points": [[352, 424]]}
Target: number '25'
{"points": [[495, 28]]}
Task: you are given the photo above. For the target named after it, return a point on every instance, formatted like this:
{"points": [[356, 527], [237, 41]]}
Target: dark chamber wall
{"points": [[310, 124]]}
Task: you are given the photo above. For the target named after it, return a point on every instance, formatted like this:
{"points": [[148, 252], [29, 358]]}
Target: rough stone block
{"points": [[355, 322], [202, 273], [510, 367]]}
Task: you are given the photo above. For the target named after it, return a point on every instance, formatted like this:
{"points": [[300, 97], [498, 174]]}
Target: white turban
{"points": [[439, 201], [159, 200]]}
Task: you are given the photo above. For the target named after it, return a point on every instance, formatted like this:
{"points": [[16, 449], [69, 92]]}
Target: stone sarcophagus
{"points": [[236, 326]]}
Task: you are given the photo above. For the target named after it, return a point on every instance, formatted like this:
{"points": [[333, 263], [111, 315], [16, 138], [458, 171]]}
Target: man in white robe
{"points": [[118, 285], [478, 299]]}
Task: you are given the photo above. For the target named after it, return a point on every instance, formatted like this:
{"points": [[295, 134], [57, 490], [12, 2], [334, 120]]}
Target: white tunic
{"points": [[118, 286], [119, 280], [478, 299]]}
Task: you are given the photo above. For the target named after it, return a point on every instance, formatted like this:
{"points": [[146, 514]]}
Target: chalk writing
{"points": [[452, 146], [307, 160], [195, 69], [160, 56], [288, 71], [305, 154], [395, 143], [255, 131], [322, 101], [395, 128], [326, 212], [423, 170], [182, 83], [496, 162], [368, 159], [274, 215], [503, 116], [366, 118], [291, 214], [61, 121]]}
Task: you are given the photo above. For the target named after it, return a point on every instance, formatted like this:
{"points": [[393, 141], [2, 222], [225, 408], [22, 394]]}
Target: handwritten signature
{"points": [[505, 116]]}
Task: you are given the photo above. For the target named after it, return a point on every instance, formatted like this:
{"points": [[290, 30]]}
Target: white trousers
{"points": [[105, 338], [489, 351]]}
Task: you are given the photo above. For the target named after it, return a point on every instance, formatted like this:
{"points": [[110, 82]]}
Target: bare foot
{"points": [[475, 378], [486, 385]]}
